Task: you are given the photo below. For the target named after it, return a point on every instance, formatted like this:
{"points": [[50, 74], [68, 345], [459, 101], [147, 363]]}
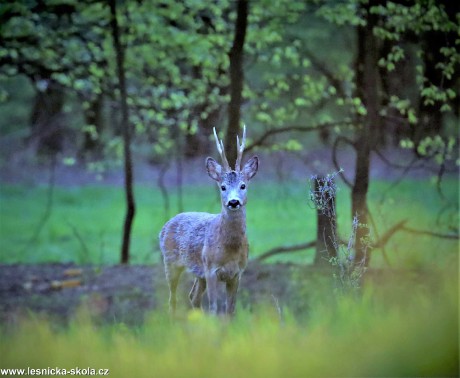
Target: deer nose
{"points": [[233, 204]]}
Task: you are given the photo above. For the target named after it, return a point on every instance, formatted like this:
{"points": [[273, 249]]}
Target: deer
{"points": [[213, 247]]}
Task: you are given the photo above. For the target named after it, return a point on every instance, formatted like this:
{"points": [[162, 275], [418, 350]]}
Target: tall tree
{"points": [[236, 79], [381, 29], [368, 131], [128, 165]]}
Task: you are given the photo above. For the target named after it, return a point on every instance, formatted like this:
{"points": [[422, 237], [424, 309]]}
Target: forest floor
{"points": [[128, 293], [123, 293]]}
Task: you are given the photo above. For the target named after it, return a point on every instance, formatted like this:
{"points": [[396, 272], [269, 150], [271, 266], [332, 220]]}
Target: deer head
{"points": [[232, 183]]}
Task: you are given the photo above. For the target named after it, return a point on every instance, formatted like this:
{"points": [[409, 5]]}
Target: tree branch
{"points": [[335, 161], [389, 234], [84, 256], [430, 233], [293, 128], [285, 249], [328, 74], [400, 226], [406, 168]]}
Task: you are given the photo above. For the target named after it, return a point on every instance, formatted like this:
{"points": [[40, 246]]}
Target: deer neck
{"points": [[233, 226]]}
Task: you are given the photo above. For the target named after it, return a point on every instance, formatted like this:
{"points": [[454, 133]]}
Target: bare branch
{"points": [[285, 249], [335, 161], [399, 166], [431, 233], [322, 68], [84, 255], [293, 128], [389, 234], [401, 226]]}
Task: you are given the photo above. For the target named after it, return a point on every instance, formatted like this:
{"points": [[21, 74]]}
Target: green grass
{"points": [[85, 222], [387, 332], [398, 327]]}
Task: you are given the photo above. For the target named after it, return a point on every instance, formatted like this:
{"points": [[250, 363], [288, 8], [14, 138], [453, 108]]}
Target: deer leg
{"points": [[211, 283], [232, 289], [172, 275], [196, 294]]}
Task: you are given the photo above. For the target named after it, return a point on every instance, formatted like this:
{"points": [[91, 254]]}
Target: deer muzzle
{"points": [[234, 204]]}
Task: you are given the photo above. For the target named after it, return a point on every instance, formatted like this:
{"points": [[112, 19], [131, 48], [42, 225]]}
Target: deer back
{"points": [[182, 240]]}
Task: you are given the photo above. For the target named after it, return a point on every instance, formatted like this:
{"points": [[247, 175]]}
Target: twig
{"points": [[81, 241]]}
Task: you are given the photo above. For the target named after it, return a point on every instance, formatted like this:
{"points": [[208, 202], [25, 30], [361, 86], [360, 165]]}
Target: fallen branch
{"points": [[286, 249]]}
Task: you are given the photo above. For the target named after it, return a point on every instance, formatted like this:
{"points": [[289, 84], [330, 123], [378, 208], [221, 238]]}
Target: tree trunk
{"points": [[130, 204], [47, 118], [326, 234], [369, 131], [236, 80]]}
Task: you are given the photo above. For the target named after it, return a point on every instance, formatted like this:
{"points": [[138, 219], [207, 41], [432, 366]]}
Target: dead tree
{"points": [[326, 235]]}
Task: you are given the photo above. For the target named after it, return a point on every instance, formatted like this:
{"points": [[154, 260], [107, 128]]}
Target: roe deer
{"points": [[213, 247]]}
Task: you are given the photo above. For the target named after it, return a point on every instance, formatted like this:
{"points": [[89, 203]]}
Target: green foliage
{"points": [[297, 70], [287, 80], [392, 331], [16, 96], [424, 19], [173, 64]]}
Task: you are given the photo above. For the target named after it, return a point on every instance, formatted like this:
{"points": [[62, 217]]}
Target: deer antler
{"points": [[221, 150], [240, 149]]}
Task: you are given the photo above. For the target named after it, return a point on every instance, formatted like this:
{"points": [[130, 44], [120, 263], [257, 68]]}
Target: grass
{"points": [[85, 223], [397, 327], [387, 332]]}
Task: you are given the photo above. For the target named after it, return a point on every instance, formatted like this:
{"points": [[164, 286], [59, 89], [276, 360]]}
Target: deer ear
{"points": [[251, 167], [214, 169]]}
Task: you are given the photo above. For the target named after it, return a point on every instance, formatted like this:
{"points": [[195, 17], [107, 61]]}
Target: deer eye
{"points": [[223, 188], [243, 186]]}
